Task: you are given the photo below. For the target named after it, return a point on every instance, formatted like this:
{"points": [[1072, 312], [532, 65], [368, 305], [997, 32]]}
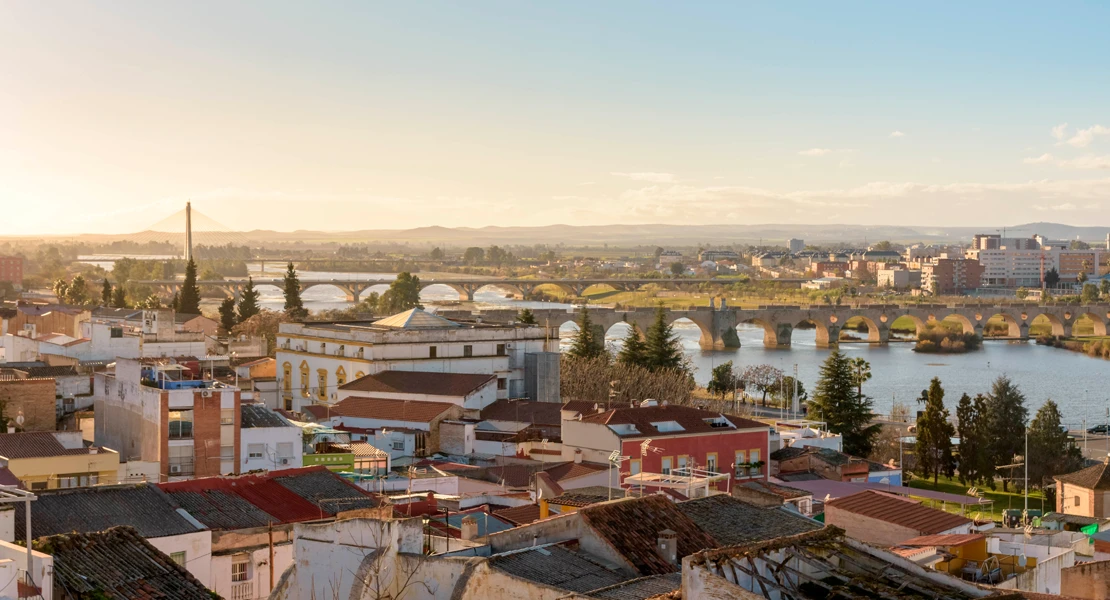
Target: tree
{"points": [[764, 378], [189, 301], [1089, 294], [677, 269], [1006, 424], [1022, 293], [723, 380], [657, 253], [1104, 287], [474, 255], [436, 253], [1082, 277], [600, 380], [60, 289], [526, 316], [633, 348], [119, 297], [587, 343], [861, 372], [1051, 278], [294, 306], [934, 434], [1051, 451], [971, 425], [150, 301], [787, 387], [661, 346], [265, 325], [106, 293], [403, 294], [842, 408], [227, 314], [883, 246], [248, 302], [175, 301]]}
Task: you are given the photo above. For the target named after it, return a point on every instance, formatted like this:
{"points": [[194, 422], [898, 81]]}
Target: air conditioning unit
{"points": [[285, 461], [175, 469], [206, 394]]}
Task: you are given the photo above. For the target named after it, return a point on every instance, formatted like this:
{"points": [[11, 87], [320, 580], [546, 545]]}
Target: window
{"points": [[178, 557], [340, 376], [711, 462], [399, 445], [468, 350], [682, 461], [501, 349], [432, 351], [754, 458], [285, 450], [322, 384], [1077, 500], [666, 469], [38, 485], [240, 565], [360, 353], [634, 466], [502, 383], [304, 379], [741, 460], [255, 451], [227, 416], [181, 424], [287, 378], [181, 461], [227, 452]]}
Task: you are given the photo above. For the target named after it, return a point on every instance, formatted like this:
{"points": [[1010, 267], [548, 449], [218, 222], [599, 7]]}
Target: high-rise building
{"points": [[797, 245]]}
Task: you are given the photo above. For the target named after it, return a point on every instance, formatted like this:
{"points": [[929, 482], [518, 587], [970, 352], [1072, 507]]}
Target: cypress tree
{"points": [[934, 434], [189, 300], [294, 307], [661, 348], [526, 316], [106, 293], [119, 297], [847, 412], [633, 349], [971, 426], [227, 314], [1007, 418], [587, 344], [248, 302]]}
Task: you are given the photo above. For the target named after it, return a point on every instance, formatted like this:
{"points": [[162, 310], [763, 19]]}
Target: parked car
{"points": [[1100, 429]]}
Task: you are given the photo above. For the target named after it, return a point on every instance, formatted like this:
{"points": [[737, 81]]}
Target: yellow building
{"points": [[57, 459]]}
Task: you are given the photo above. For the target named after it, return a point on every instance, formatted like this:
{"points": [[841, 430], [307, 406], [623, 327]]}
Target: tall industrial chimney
{"points": [[188, 231]]}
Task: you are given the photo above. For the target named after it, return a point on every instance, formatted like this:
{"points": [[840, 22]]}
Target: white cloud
{"points": [[1084, 137], [815, 152], [1086, 162], [1044, 158], [897, 134], [1060, 131], [648, 176]]}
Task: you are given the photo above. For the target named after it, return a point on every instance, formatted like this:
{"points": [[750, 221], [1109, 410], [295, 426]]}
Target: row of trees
{"points": [[656, 349], [764, 378], [992, 432]]}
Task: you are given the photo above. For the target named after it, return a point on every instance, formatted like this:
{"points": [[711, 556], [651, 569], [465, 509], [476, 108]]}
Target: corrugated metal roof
{"points": [[252, 415], [733, 522], [900, 511], [142, 506]]}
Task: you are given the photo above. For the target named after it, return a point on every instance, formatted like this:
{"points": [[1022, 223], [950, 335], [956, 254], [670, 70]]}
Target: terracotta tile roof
{"points": [[319, 412], [944, 539], [691, 420], [285, 496], [571, 470], [783, 491], [584, 407], [519, 475], [142, 506], [632, 528], [420, 382], [364, 450], [733, 522], [1096, 477], [412, 411], [586, 496], [118, 563], [900, 511], [519, 515], [524, 411], [35, 444]]}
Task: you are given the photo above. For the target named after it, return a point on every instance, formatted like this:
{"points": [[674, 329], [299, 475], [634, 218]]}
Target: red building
{"points": [[681, 441], [11, 269]]}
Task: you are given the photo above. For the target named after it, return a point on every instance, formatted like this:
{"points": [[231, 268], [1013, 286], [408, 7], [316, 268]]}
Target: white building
{"points": [[796, 245], [1021, 263], [314, 359], [102, 339], [268, 440]]}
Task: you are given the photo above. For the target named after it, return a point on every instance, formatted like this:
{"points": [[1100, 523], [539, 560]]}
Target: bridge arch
{"points": [[770, 332], [502, 287], [823, 335], [965, 322], [875, 333], [1015, 325], [380, 288], [1098, 323], [1058, 327], [347, 291]]}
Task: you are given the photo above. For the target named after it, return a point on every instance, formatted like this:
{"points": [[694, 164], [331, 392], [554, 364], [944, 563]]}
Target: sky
{"points": [[363, 115]]}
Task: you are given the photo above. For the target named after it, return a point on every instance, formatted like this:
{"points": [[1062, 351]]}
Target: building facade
{"points": [[944, 275], [11, 270]]}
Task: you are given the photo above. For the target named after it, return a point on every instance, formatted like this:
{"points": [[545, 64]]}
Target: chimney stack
{"points": [[188, 231], [469, 528], [578, 456], [667, 546]]}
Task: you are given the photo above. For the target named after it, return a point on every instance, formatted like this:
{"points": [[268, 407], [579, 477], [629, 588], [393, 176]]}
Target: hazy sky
{"points": [[352, 115]]}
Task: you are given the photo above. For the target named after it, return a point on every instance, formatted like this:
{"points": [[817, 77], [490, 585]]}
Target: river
{"points": [[1070, 378]]}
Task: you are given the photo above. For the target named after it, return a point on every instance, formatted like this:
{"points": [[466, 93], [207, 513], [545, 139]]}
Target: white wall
{"points": [[270, 437], [197, 547], [7, 521], [258, 572], [13, 562], [596, 441]]}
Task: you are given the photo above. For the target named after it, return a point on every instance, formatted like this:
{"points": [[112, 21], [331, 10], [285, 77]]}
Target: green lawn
{"points": [[1002, 500]]}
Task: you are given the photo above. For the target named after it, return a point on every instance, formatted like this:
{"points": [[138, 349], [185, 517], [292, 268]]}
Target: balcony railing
{"points": [[243, 590]]}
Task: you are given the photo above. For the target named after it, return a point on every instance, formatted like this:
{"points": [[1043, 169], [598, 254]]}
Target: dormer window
{"points": [[668, 426]]}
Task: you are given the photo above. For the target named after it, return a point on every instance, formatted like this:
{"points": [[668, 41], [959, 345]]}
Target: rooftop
{"points": [[415, 318], [586, 496], [632, 527], [254, 415], [734, 522], [519, 515], [898, 510], [118, 563], [783, 491], [142, 506], [388, 409], [664, 420], [40, 444], [524, 411], [420, 382], [556, 566], [1096, 477]]}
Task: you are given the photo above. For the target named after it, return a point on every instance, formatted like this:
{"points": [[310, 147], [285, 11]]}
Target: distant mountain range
{"points": [[621, 235]]}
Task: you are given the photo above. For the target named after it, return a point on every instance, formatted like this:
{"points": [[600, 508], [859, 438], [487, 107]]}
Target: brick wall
{"points": [[35, 397], [1090, 581], [206, 435]]}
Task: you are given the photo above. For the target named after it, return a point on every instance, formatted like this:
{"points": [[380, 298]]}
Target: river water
{"points": [[1073, 380]]}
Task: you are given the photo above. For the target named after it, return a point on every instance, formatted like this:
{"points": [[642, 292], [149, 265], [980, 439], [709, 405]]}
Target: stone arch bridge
{"points": [[718, 324], [353, 289]]}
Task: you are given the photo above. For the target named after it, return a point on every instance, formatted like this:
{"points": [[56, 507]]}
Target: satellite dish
{"points": [[1021, 561]]}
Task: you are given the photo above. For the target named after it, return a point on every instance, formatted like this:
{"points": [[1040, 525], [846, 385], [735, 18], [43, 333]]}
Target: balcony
{"points": [[244, 590]]}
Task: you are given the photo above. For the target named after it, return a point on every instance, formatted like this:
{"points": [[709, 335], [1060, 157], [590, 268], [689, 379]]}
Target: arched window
{"points": [[322, 389], [287, 378], [359, 375], [340, 376], [304, 379]]}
